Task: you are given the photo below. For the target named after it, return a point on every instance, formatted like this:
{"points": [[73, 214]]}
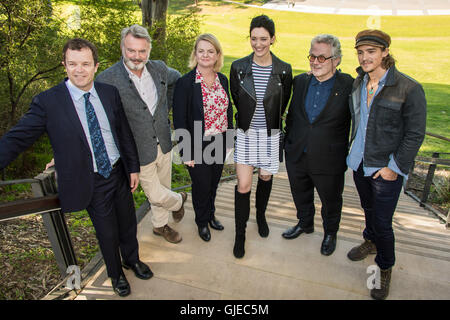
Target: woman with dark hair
{"points": [[260, 87], [201, 96]]}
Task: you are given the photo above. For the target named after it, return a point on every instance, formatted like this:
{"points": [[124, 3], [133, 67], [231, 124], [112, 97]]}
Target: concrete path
{"points": [[275, 268], [364, 7]]}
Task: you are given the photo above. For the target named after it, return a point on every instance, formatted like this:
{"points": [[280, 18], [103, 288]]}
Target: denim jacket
{"points": [[396, 123]]}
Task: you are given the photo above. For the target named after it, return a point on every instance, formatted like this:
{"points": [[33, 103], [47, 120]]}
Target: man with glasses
{"points": [[388, 115], [316, 143]]}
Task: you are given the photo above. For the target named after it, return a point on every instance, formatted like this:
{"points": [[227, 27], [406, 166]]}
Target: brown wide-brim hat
{"points": [[375, 38]]}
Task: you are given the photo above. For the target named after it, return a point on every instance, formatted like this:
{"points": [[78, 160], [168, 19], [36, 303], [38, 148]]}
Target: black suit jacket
{"points": [[53, 111], [326, 139], [188, 107]]}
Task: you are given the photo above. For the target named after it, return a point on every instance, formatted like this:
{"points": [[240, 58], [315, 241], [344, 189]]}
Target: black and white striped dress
{"points": [[255, 148]]}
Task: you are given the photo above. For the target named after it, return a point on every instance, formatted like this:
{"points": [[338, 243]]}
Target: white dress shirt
{"points": [[146, 88], [78, 101]]}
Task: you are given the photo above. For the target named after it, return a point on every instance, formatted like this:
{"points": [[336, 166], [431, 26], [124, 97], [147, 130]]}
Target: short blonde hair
{"points": [[216, 44]]}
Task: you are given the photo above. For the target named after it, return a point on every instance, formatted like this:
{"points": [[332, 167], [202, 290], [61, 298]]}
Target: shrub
{"points": [[181, 32]]}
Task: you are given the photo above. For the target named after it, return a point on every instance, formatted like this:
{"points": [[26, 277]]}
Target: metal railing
{"points": [[45, 201], [432, 162]]}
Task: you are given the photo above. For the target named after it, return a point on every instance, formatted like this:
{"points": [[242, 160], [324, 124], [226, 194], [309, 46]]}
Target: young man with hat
{"points": [[388, 116]]}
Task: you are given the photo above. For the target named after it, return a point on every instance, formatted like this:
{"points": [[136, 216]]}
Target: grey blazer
{"points": [[145, 127]]}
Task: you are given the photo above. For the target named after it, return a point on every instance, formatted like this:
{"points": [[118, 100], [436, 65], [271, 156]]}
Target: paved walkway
{"points": [[365, 7], [275, 268]]}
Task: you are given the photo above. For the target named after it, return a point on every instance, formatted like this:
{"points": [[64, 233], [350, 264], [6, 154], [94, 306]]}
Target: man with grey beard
{"points": [[146, 88]]}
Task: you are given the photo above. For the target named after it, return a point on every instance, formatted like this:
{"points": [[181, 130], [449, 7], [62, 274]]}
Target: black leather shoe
{"points": [[328, 244], [121, 286], [215, 224], [204, 233], [141, 270], [295, 231]]}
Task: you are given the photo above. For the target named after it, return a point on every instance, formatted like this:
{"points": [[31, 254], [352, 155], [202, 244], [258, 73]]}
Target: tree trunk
{"points": [[160, 16], [161, 10], [153, 10], [154, 15], [146, 8]]}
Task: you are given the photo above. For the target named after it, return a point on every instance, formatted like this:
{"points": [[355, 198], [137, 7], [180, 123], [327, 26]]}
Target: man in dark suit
{"points": [[316, 145], [95, 156]]}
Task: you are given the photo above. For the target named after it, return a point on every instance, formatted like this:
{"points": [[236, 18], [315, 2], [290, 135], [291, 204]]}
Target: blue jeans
{"points": [[379, 199]]}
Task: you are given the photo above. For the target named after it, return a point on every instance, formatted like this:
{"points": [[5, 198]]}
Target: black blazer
{"points": [[188, 107], [53, 111], [326, 139]]}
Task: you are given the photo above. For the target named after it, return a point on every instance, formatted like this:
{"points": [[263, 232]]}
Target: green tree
{"points": [[30, 55], [30, 61], [101, 21], [181, 33]]}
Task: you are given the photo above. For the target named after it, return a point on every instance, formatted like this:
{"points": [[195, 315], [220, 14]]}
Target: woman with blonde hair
{"points": [[202, 100]]}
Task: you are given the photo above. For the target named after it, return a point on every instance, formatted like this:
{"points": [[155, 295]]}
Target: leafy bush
{"points": [[29, 55], [442, 189], [181, 32], [101, 21]]}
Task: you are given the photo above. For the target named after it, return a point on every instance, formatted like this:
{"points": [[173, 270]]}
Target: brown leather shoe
{"points": [[179, 214], [362, 251], [168, 233], [382, 291]]}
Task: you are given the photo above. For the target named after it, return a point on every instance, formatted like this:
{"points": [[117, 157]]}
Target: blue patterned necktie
{"points": [[98, 144]]}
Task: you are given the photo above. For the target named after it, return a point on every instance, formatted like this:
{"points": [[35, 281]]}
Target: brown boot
{"points": [[168, 233], [362, 251], [179, 214], [385, 280]]}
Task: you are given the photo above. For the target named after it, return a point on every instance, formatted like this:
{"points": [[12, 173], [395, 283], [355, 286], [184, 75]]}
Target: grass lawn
{"points": [[418, 44]]}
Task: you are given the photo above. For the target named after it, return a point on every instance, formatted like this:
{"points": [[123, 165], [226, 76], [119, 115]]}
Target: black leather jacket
{"points": [[277, 94], [397, 120]]}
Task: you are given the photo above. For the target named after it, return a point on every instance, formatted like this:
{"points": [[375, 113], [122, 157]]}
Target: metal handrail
{"points": [[19, 181], [433, 162], [437, 136], [46, 202]]}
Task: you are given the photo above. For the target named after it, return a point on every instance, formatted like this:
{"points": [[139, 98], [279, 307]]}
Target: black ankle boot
{"points": [[263, 190], [241, 214]]}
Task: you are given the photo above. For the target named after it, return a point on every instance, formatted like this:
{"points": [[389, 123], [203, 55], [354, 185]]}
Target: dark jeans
{"points": [[329, 188], [114, 218], [379, 199], [205, 179]]}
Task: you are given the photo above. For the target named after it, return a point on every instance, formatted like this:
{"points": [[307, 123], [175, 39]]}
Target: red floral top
{"points": [[215, 105]]}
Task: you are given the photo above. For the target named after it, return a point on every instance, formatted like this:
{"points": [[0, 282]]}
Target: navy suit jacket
{"points": [[53, 111]]}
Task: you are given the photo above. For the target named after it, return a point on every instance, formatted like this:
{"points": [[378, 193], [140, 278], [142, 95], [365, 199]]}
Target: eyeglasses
{"points": [[321, 59]]}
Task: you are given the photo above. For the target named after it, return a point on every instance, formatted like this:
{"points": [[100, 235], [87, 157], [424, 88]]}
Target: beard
{"points": [[132, 64], [135, 64]]}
